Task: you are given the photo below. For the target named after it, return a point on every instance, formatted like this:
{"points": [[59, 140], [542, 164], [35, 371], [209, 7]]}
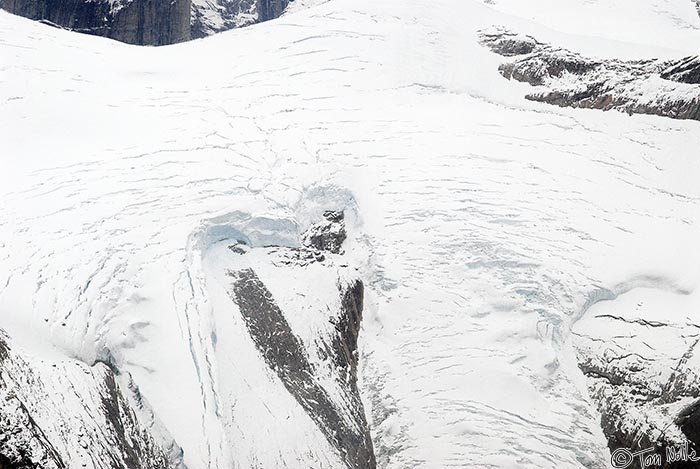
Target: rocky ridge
{"points": [[60, 413], [566, 78], [321, 373]]}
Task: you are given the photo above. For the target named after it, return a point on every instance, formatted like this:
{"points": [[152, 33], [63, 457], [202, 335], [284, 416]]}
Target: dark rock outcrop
{"points": [[58, 414], [664, 88], [684, 71], [339, 414], [642, 374], [271, 9], [143, 22], [344, 347], [148, 22], [635, 418], [328, 235], [284, 354], [212, 16], [509, 45]]}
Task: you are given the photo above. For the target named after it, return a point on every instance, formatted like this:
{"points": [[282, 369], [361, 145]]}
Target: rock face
{"points": [[643, 373], [684, 71], [285, 355], [143, 22], [57, 414], [665, 88], [314, 357], [212, 16], [148, 22], [328, 235]]}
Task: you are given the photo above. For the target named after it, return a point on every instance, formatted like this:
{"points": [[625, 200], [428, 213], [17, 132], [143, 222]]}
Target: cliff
{"points": [[142, 22]]}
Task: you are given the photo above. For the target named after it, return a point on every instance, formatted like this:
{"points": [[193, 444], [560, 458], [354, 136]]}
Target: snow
{"points": [[220, 15], [660, 318], [485, 222], [282, 431], [645, 333], [295, 6], [280, 426], [50, 402]]}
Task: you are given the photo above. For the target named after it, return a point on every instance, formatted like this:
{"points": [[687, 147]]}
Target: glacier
{"points": [[489, 231]]}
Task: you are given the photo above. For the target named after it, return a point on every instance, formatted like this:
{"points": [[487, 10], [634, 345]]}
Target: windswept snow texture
{"points": [[483, 222], [213, 16]]}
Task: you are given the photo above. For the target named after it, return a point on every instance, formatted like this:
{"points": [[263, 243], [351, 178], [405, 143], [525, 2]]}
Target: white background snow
{"points": [[485, 221]]}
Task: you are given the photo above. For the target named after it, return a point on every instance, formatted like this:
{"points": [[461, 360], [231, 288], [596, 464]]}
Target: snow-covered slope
{"points": [[483, 225], [60, 413]]}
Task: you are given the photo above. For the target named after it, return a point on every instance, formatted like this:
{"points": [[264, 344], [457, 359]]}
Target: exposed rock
{"points": [[643, 375], [4, 348], [665, 88], [143, 22], [148, 22], [509, 45], [344, 347], [285, 355], [335, 406], [57, 414], [684, 71], [212, 16], [328, 235]]}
